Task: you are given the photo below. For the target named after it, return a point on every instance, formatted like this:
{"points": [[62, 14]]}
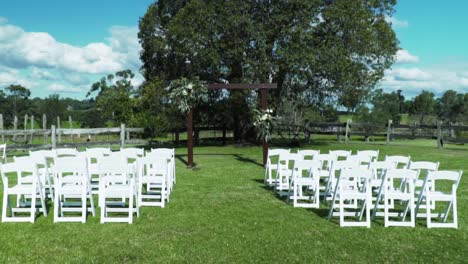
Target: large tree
{"points": [[313, 49]]}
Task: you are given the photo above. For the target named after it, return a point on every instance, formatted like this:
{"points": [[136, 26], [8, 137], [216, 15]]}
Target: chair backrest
{"points": [[74, 169], [325, 159], [310, 167], [113, 169], [21, 168], [66, 152], [372, 154], [150, 166], [133, 153], [308, 153], [396, 177], [380, 167], [423, 165], [287, 160], [401, 162], [340, 154], [352, 179], [98, 151], [453, 176], [3, 148]]}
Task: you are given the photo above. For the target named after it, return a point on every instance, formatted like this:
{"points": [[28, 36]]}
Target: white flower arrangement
{"points": [[264, 122], [187, 93]]}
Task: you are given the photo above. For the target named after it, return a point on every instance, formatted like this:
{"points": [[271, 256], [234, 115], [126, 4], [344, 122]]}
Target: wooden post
{"points": [[58, 126], [25, 127], [190, 139], [1, 128], [440, 143], [177, 137], [264, 97], [53, 137], [44, 127], [389, 131], [32, 128], [347, 134], [15, 127], [122, 135], [70, 125], [128, 135]]}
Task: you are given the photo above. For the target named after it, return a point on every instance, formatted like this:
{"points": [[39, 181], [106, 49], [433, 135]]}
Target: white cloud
{"points": [[397, 23], [413, 80], [60, 88], [3, 20], [21, 49], [404, 57], [11, 76], [42, 74]]}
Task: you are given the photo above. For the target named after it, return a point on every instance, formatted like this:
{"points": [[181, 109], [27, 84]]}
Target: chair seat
{"points": [[440, 196], [304, 181], [20, 189]]}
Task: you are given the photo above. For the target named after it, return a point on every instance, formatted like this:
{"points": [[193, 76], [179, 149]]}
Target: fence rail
{"points": [[24, 139]]}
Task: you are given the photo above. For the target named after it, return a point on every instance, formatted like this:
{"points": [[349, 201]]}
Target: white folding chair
{"points": [[66, 152], [271, 165], [115, 188], [3, 148], [432, 195], [94, 157], [43, 173], [424, 167], [72, 189], [340, 154], [336, 167], [352, 185], [133, 153], [284, 172], [305, 179], [326, 160], [379, 168], [25, 190], [166, 152], [401, 162], [152, 176], [388, 193], [308, 153]]}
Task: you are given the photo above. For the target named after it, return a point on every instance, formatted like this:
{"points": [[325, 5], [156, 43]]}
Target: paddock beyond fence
{"points": [[442, 133]]}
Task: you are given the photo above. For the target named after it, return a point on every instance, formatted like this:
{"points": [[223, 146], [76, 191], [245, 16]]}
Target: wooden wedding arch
{"points": [[263, 87]]}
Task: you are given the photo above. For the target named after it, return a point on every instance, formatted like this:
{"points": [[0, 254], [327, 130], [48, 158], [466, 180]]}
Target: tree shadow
{"points": [[247, 160]]}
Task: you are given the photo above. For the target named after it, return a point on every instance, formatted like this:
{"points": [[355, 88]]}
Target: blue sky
{"points": [[56, 46]]}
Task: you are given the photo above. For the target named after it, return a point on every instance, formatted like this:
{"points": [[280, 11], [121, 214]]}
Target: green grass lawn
{"points": [[221, 212]]}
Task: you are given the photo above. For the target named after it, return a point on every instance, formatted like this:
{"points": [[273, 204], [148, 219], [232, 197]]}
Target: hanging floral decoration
{"points": [[264, 122], [187, 93]]}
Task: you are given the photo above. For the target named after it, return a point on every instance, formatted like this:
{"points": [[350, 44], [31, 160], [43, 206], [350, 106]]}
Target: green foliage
{"points": [[264, 123], [187, 93], [115, 96], [423, 105], [452, 106]]}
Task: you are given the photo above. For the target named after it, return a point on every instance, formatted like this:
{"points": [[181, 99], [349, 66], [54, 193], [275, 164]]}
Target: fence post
{"points": [[122, 135], [25, 127], [32, 128], [347, 134], [58, 126], [1, 128], [224, 135], [44, 126], [440, 143], [53, 137], [389, 131], [15, 127], [338, 135], [70, 124]]}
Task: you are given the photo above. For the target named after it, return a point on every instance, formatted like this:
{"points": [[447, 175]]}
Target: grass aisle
{"points": [[221, 212]]}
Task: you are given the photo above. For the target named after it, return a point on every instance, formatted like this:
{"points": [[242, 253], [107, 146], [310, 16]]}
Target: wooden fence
{"points": [[24, 139], [442, 133]]}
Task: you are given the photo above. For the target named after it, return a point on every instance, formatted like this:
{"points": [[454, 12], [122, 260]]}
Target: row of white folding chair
{"points": [[29, 191]]}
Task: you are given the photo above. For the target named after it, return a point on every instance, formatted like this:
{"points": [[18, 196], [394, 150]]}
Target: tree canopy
{"points": [[315, 50]]}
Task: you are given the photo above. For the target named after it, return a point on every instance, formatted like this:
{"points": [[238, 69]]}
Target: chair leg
{"points": [[33, 206], [5, 205], [428, 212], [455, 213]]}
